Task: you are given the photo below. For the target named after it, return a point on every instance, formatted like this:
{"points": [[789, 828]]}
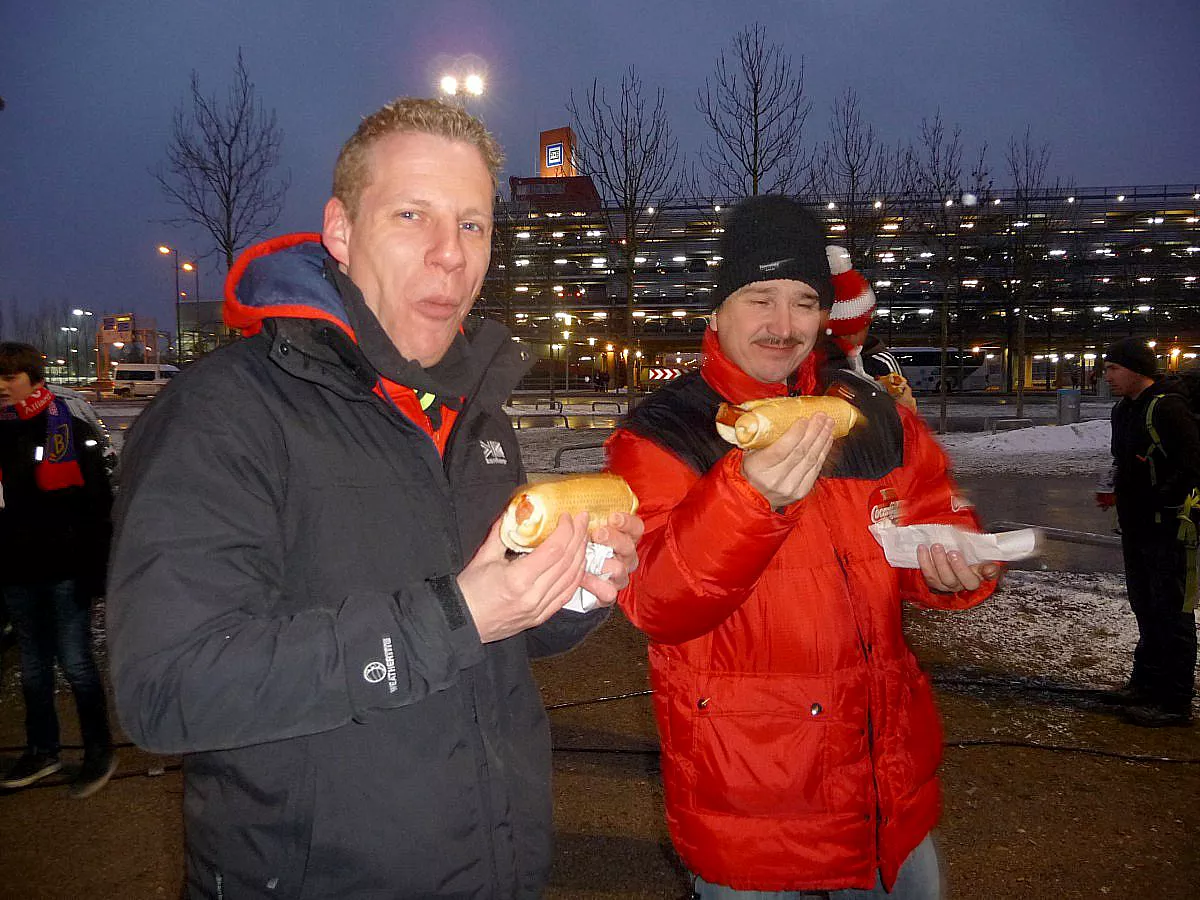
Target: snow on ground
{"points": [[1081, 449], [1059, 626]]}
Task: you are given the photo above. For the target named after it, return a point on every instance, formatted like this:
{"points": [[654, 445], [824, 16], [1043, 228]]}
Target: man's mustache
{"points": [[770, 341]]}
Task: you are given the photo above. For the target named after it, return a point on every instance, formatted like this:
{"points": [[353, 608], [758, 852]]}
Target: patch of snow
{"points": [[1057, 625], [1081, 449]]}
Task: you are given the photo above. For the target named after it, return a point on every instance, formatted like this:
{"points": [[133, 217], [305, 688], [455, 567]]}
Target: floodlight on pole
{"points": [[463, 81]]}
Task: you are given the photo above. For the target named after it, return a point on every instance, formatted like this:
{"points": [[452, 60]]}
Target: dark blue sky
{"points": [[90, 89]]}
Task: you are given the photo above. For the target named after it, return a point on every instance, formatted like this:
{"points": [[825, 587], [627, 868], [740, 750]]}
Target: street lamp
{"points": [[66, 363], [194, 268], [82, 315], [164, 250]]}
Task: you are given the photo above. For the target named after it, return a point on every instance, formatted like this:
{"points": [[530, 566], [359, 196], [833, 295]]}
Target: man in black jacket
{"points": [[309, 596], [55, 502], [1156, 453]]}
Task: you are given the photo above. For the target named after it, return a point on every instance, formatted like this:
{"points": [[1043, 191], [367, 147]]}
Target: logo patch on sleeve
{"points": [[375, 671]]}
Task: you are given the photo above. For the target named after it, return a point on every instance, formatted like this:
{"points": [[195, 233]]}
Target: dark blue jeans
{"points": [[53, 621]]}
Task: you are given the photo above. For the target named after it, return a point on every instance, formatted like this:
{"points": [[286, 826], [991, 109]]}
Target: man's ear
{"points": [[712, 319], [335, 232]]}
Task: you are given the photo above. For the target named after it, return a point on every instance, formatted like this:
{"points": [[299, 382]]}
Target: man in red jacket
{"points": [[800, 740]]}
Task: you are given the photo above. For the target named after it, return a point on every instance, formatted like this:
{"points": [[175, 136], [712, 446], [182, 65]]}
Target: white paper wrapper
{"points": [[900, 542], [585, 601]]}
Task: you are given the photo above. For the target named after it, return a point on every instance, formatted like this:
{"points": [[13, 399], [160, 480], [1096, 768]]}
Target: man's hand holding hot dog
{"points": [[622, 532], [509, 595], [786, 471]]}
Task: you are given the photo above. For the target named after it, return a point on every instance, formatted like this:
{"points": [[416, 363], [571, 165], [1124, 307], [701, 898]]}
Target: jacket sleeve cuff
{"points": [[411, 644], [914, 589]]}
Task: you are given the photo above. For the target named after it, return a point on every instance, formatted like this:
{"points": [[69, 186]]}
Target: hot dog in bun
{"points": [[759, 423], [534, 510]]}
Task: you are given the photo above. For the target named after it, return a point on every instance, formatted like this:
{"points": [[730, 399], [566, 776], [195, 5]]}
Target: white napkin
{"points": [[900, 542], [584, 601]]}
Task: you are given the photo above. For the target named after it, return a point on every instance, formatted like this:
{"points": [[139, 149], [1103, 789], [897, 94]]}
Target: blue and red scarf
{"points": [[57, 461]]}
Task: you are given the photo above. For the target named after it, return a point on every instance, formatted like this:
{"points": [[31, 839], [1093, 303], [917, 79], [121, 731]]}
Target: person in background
{"points": [[309, 597], [1155, 486], [800, 740], [850, 344], [55, 502]]}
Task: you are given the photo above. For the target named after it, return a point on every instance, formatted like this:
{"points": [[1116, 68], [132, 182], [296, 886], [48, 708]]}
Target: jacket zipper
{"points": [[865, 647], [471, 689]]}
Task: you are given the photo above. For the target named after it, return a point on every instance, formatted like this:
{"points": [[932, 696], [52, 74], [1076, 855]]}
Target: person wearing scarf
{"points": [[55, 501], [848, 345]]}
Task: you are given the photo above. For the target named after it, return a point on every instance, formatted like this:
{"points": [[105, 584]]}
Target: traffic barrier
{"points": [[568, 448]]}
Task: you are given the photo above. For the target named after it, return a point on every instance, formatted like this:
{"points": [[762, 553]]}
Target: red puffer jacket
{"points": [[800, 740]]}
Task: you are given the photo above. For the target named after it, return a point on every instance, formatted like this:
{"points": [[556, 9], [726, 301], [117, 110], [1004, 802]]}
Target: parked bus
{"points": [[965, 370]]}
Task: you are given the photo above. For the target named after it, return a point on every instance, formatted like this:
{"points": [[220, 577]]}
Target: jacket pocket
{"points": [[250, 841], [759, 745]]}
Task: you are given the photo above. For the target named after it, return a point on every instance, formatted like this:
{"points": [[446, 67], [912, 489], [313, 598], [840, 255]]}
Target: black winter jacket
{"points": [[53, 535], [282, 610], [1147, 504]]}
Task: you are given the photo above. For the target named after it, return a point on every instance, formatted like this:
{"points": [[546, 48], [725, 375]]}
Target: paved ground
{"points": [[1047, 794]]}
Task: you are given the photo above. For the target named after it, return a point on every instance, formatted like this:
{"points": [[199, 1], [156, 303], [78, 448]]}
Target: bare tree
{"points": [[220, 165], [860, 174], [1036, 212], [626, 145], [67, 340], [755, 106], [935, 184]]}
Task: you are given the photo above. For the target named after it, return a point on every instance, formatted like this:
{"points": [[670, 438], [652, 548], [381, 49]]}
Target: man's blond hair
{"points": [[403, 116]]}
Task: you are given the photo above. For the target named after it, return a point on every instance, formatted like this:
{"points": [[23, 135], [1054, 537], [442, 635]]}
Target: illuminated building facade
{"points": [[1079, 269]]}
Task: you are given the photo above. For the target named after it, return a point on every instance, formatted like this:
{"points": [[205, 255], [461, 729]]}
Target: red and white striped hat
{"points": [[853, 299]]}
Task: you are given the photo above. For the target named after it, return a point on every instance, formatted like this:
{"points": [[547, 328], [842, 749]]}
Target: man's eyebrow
{"points": [[755, 288], [420, 203]]}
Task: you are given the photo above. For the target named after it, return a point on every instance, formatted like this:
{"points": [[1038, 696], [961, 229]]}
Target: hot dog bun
{"points": [[759, 423], [534, 510], [897, 387]]}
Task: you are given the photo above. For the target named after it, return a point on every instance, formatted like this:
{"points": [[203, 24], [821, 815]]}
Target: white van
{"points": [[141, 379]]}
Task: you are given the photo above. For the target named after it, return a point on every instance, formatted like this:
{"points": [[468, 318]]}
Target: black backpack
{"points": [[1187, 385]]}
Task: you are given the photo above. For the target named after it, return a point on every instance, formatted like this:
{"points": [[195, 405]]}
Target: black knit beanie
{"points": [[1133, 354], [768, 237]]}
